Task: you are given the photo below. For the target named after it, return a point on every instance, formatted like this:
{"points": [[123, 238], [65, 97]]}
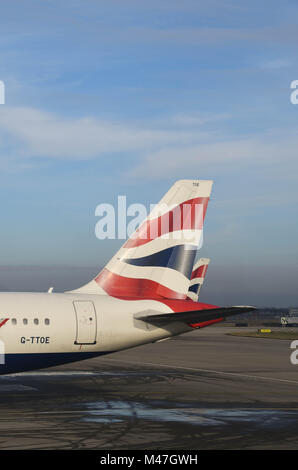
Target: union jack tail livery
{"points": [[157, 261], [197, 278]]}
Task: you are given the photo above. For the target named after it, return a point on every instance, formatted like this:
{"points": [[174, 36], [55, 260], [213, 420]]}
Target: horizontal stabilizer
{"points": [[194, 316]]}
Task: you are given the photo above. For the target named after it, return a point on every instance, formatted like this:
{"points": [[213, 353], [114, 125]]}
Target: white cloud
{"points": [[276, 64], [32, 133], [192, 120], [269, 149], [209, 35], [181, 144]]}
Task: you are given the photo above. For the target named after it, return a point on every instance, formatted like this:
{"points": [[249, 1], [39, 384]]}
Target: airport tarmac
{"points": [[201, 390]]}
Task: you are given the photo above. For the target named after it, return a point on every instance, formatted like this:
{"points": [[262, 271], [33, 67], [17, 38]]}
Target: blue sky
{"points": [[108, 98]]}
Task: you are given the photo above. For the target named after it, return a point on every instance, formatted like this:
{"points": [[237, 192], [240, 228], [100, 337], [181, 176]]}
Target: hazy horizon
{"points": [[234, 285]]}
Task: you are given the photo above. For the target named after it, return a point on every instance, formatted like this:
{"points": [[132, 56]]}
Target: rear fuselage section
{"points": [[45, 329]]}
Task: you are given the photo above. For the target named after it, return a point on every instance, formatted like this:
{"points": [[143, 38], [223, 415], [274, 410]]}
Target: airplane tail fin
{"points": [[197, 278], [157, 260]]}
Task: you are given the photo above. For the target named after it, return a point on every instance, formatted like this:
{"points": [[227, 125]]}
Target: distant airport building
{"points": [[291, 319], [293, 312]]}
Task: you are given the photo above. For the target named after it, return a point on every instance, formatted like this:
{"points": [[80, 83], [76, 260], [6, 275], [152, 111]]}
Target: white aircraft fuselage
{"points": [[41, 330]]}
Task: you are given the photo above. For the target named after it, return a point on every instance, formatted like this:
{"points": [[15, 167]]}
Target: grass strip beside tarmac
{"points": [[289, 335]]}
